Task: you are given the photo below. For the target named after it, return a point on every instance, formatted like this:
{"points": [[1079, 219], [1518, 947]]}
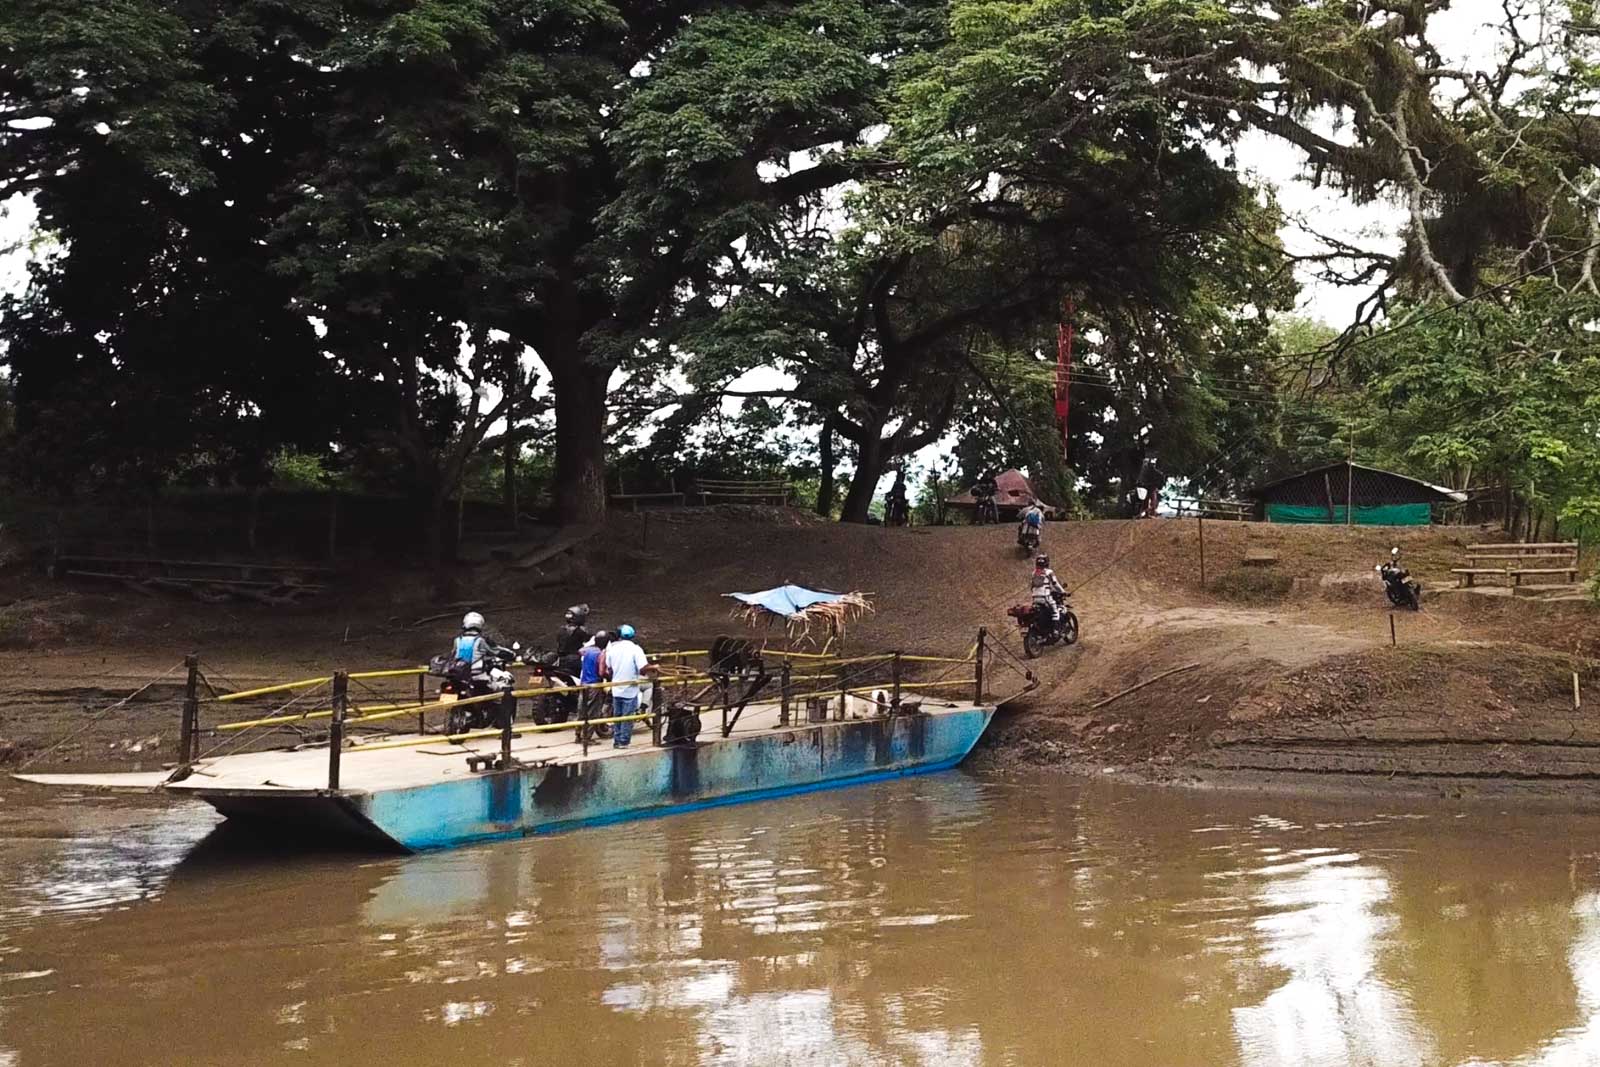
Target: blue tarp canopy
{"points": [[786, 600]]}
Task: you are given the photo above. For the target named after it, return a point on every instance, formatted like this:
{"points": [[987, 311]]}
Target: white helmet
{"points": [[472, 621]]}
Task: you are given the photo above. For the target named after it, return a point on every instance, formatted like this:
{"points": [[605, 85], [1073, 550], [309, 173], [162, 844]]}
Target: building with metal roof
{"points": [[1350, 493]]}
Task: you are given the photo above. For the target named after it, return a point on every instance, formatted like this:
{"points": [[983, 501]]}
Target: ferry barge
{"points": [[421, 791]]}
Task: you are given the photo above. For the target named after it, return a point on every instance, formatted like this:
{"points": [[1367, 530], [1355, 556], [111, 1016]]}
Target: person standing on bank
{"points": [[625, 663]]}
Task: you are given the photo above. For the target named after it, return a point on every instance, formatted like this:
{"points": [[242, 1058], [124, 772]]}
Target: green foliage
{"points": [[1503, 389], [300, 470], [885, 202]]}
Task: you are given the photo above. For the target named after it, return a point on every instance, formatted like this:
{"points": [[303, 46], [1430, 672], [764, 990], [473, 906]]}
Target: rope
{"points": [[102, 713], [246, 734], [1131, 549]]}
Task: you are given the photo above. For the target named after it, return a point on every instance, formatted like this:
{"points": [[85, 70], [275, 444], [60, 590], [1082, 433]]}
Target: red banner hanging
{"points": [[1064, 370]]}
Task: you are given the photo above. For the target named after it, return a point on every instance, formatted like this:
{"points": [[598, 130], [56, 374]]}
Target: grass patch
{"points": [[1252, 585]]}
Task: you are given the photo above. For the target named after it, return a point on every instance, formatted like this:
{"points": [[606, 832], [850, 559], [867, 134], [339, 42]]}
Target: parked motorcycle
{"points": [[550, 671], [1038, 633], [492, 674], [1403, 592], [988, 511]]}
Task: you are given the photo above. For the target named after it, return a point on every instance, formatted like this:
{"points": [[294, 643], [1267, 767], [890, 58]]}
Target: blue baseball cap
{"points": [[625, 631]]}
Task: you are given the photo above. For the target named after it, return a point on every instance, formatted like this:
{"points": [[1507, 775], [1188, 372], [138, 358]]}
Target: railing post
{"points": [[422, 698], [341, 685], [188, 740], [977, 687], [655, 716], [508, 713], [583, 731], [844, 695], [783, 694], [894, 699]]}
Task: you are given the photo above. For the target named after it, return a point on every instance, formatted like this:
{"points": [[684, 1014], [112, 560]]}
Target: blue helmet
{"points": [[625, 632]]}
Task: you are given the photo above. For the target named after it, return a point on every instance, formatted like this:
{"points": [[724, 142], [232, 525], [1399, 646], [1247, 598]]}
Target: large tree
{"points": [[153, 335], [995, 194], [560, 172]]}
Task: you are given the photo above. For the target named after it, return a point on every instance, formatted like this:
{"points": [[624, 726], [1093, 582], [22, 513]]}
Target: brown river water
{"points": [[953, 919]]}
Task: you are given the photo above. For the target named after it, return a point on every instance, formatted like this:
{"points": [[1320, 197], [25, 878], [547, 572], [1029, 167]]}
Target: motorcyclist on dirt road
{"points": [[1032, 518], [1048, 592]]}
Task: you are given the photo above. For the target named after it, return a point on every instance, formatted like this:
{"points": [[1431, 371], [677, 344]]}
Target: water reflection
{"points": [[946, 920]]}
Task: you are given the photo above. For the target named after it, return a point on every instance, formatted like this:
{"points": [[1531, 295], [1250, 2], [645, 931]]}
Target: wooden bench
{"points": [[633, 500], [177, 568], [1468, 574], [774, 490], [1570, 572], [1537, 559]]}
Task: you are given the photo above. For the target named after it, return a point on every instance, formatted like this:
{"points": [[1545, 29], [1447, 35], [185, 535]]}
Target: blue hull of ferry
{"points": [[650, 781]]}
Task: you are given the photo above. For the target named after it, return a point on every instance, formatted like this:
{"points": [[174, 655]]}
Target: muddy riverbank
{"points": [[1295, 679]]}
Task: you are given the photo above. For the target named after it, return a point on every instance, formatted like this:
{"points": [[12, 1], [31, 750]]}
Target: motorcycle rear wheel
{"points": [[1031, 645]]}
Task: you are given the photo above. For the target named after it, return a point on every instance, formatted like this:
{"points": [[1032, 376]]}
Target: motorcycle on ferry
{"points": [[552, 671], [1038, 632], [458, 681], [1403, 592]]}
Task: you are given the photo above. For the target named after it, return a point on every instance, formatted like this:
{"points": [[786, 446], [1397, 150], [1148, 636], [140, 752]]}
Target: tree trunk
{"points": [[253, 520], [580, 402], [872, 456], [826, 461], [433, 519], [510, 474]]}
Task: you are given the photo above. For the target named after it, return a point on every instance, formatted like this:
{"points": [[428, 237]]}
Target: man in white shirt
{"points": [[626, 663]]}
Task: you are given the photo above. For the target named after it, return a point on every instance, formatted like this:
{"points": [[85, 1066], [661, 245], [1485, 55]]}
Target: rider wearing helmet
{"points": [[625, 664], [1048, 592], [572, 636], [1032, 518], [470, 648]]}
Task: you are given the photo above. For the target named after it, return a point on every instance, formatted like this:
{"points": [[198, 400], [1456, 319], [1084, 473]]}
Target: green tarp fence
{"points": [[1378, 515]]}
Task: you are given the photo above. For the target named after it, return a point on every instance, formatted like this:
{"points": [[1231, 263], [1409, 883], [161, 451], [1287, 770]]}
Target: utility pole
{"points": [[1350, 475]]}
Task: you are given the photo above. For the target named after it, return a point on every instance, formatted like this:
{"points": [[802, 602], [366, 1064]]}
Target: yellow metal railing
{"points": [[831, 674], [499, 732], [369, 713]]}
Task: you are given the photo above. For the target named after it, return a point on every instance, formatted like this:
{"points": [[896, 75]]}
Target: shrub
{"points": [[1252, 585]]}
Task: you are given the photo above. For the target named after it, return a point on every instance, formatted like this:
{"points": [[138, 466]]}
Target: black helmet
{"points": [[577, 614], [1041, 560]]}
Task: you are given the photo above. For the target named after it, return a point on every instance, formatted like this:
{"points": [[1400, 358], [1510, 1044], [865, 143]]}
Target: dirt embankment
{"points": [[1282, 672]]}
